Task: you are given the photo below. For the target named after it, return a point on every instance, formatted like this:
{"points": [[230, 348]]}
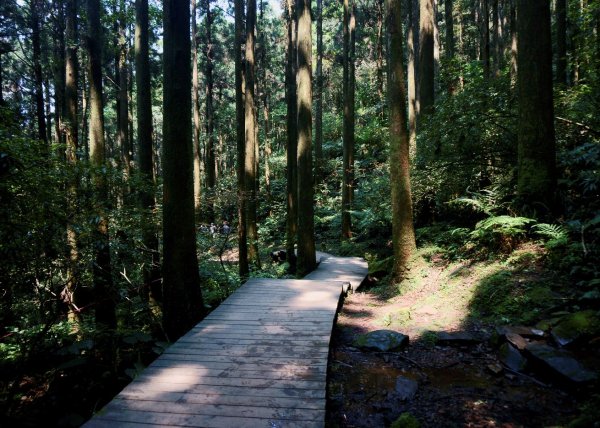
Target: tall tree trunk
{"points": [[265, 102], [240, 140], [537, 149], [123, 96], [496, 36], [348, 145], [196, 113], [485, 49], [426, 59], [319, 96], [152, 279], [38, 78], [561, 42], [292, 134], [103, 284], [402, 222], [412, 36], [250, 133], [71, 131], [183, 305], [380, 13], [306, 261], [211, 164], [59, 69], [513, 41]]}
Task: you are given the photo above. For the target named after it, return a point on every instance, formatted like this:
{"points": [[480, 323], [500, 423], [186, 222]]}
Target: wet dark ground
{"points": [[456, 386]]}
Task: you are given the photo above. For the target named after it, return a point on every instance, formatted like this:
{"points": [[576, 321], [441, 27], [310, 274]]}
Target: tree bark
{"points": [[123, 96], [485, 49], [196, 113], [319, 96], [402, 222], [449, 16], [71, 132], [251, 134], [292, 135], [152, 279], [426, 59], [413, 55], [103, 284], [183, 305], [211, 164], [240, 140], [348, 131], [306, 261], [561, 42], [513, 41], [537, 148], [380, 13], [496, 36]]}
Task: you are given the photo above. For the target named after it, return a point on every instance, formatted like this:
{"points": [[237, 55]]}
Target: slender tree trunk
{"points": [[71, 131], [38, 78], [103, 284], [319, 96], [485, 49], [183, 305], [211, 164], [292, 135], [413, 43], [496, 36], [306, 261], [537, 148], [123, 116], [513, 41], [380, 12], [426, 59], [265, 102], [402, 221], [152, 278], [196, 113], [240, 140], [59, 70], [561, 42], [348, 146], [250, 133]]}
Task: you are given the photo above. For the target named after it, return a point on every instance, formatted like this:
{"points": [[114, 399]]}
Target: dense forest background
{"points": [[152, 159]]}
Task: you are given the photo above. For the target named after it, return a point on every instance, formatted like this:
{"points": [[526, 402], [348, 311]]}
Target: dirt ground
{"points": [[458, 384]]}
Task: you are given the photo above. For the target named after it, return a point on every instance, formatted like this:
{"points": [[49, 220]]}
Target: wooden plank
{"points": [[259, 359]]}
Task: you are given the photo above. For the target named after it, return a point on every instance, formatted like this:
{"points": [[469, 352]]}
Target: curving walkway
{"points": [[258, 360]]}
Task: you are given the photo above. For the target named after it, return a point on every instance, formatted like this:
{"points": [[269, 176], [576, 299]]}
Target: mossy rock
{"points": [[406, 420], [576, 326], [381, 340]]}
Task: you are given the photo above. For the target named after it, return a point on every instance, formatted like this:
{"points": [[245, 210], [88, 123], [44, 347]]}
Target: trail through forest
{"points": [[438, 379]]}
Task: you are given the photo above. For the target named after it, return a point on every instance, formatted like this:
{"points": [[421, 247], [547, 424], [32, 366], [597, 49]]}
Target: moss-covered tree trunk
{"points": [[183, 306], [103, 284], [306, 261], [292, 136], [402, 221], [537, 147]]}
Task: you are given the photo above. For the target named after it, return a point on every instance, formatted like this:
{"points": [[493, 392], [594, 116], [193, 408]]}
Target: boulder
{"points": [[576, 326], [456, 337], [381, 340], [406, 388], [511, 357], [516, 340], [560, 363]]}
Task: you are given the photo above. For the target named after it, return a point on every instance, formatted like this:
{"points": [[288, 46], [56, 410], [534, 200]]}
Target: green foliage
{"points": [[501, 232], [406, 420]]}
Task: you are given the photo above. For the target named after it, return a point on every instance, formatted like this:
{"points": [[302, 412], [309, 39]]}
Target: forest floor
{"points": [[454, 383]]}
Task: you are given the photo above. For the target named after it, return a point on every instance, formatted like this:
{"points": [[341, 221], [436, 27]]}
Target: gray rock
{"points": [[406, 388], [381, 340], [456, 337], [518, 329], [516, 340], [560, 363], [511, 357]]}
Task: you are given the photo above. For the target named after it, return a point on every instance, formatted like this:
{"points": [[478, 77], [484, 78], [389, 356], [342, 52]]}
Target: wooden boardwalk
{"points": [[258, 360]]}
